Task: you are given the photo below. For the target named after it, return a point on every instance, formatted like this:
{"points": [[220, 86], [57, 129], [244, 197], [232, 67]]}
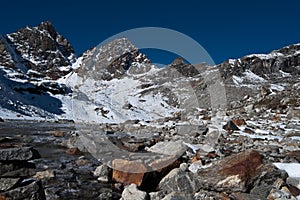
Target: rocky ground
{"points": [[236, 161]]}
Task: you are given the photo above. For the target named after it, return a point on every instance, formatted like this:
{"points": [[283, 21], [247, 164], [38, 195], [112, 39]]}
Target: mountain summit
{"points": [[37, 52]]}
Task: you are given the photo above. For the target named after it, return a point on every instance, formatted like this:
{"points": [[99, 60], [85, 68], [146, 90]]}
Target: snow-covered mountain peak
{"points": [[111, 60], [38, 51]]}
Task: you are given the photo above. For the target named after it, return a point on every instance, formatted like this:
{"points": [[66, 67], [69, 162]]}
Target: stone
{"points": [[210, 195], [212, 137], [73, 151], [169, 148], [294, 154], [195, 166], [239, 122], [179, 181], [59, 134], [156, 195], [246, 196], [32, 190], [128, 172], [105, 194], [131, 192], [1, 120], [178, 196], [8, 183], [235, 173], [102, 172], [295, 191], [6, 139], [45, 174], [268, 178], [230, 127], [293, 114], [249, 108], [293, 181], [183, 166], [82, 162], [277, 194], [19, 154], [16, 169], [164, 164]]}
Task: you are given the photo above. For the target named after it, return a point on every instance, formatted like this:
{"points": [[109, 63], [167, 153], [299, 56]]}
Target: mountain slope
{"points": [[114, 82]]}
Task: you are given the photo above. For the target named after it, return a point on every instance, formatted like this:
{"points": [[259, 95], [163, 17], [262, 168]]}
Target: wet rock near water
{"points": [[15, 171]]}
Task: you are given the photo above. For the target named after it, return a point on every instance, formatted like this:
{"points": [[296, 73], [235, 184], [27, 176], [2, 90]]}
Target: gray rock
{"points": [[156, 195], [169, 148], [293, 113], [105, 194], [195, 166], [178, 196], [179, 181], [102, 172], [19, 154], [230, 126], [33, 191], [16, 169], [293, 181], [183, 166], [277, 194], [8, 183], [131, 192], [249, 108]]}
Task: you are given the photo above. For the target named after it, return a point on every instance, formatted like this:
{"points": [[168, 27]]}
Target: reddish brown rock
{"points": [[239, 122], [294, 190], [230, 127], [58, 134], [244, 165], [73, 151], [294, 154], [212, 155], [3, 197], [235, 173], [128, 172]]}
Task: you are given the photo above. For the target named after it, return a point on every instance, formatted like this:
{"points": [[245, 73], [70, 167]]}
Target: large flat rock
{"points": [[18, 154]]}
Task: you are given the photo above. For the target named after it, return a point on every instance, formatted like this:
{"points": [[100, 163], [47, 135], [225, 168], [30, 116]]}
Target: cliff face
{"points": [[37, 52]]}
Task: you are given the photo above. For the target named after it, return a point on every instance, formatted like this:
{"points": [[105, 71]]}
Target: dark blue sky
{"points": [[226, 29]]}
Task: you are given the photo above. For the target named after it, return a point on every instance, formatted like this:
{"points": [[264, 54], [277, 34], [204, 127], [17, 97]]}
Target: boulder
{"points": [[176, 148], [234, 173], [230, 127], [131, 192], [19, 154], [127, 175], [16, 169], [29, 190], [178, 196], [8, 183], [102, 172], [179, 181]]}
